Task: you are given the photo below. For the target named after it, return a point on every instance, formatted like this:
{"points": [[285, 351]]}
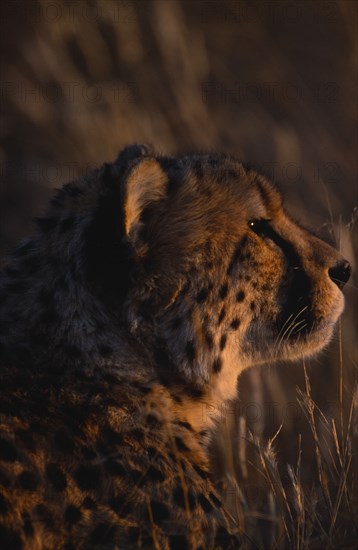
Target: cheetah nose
{"points": [[340, 273]]}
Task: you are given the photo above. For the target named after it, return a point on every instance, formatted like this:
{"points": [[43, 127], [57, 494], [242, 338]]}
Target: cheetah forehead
{"points": [[221, 184], [207, 198]]}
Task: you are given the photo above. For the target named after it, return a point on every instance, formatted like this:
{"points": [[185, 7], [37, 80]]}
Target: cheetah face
{"points": [[223, 277]]}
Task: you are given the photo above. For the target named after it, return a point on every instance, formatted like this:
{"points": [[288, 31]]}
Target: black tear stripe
{"points": [[299, 288], [237, 256], [298, 299]]}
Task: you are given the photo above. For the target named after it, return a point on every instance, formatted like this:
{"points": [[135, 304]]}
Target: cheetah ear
{"points": [[133, 152], [145, 183]]}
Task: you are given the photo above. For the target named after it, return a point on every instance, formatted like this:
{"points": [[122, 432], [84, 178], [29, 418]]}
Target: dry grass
{"points": [[289, 512], [274, 503]]}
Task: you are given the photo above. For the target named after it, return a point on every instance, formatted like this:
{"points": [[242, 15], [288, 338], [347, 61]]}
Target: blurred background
{"points": [[273, 82]]}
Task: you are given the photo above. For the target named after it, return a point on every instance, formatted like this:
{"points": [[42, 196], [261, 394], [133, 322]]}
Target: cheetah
{"points": [[129, 313]]}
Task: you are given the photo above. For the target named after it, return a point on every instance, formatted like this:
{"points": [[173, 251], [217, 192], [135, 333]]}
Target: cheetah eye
{"points": [[260, 226]]}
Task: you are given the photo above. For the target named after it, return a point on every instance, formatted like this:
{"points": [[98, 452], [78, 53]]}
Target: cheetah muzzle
{"points": [[147, 288]]}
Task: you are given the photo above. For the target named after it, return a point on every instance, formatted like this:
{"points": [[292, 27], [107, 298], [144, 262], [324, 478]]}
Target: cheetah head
{"points": [[221, 276], [192, 262]]}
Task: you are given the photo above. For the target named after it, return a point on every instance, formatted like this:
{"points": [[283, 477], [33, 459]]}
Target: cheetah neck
{"points": [[204, 407]]}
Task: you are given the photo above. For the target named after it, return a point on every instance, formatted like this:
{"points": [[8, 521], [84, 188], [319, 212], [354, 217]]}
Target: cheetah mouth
{"points": [[303, 315], [307, 332], [300, 333]]}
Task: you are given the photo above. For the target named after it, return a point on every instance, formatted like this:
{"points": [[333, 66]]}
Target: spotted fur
{"points": [[125, 320]]}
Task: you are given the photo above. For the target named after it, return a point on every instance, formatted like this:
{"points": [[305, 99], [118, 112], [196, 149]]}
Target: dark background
{"points": [[274, 82]]}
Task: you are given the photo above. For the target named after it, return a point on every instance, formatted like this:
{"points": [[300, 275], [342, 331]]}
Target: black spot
{"points": [[115, 468], [217, 365], [178, 542], [67, 224], [155, 475], [252, 306], [103, 534], [105, 351], [120, 505], [63, 442], [110, 378], [110, 436], [235, 323], [240, 296], [161, 355], [176, 323], [205, 503], [147, 540], [87, 477], [152, 451], [215, 500], [179, 498], [44, 515], [184, 424], [185, 289], [180, 445], [176, 398], [9, 539], [137, 476], [27, 525], [202, 473], [89, 503], [8, 452], [221, 315], [223, 537], [26, 439], [72, 514], [160, 512], [223, 291], [153, 421], [4, 507], [190, 351], [202, 295], [56, 477], [28, 481], [137, 434], [209, 340], [4, 480], [195, 393], [88, 453], [222, 341]]}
